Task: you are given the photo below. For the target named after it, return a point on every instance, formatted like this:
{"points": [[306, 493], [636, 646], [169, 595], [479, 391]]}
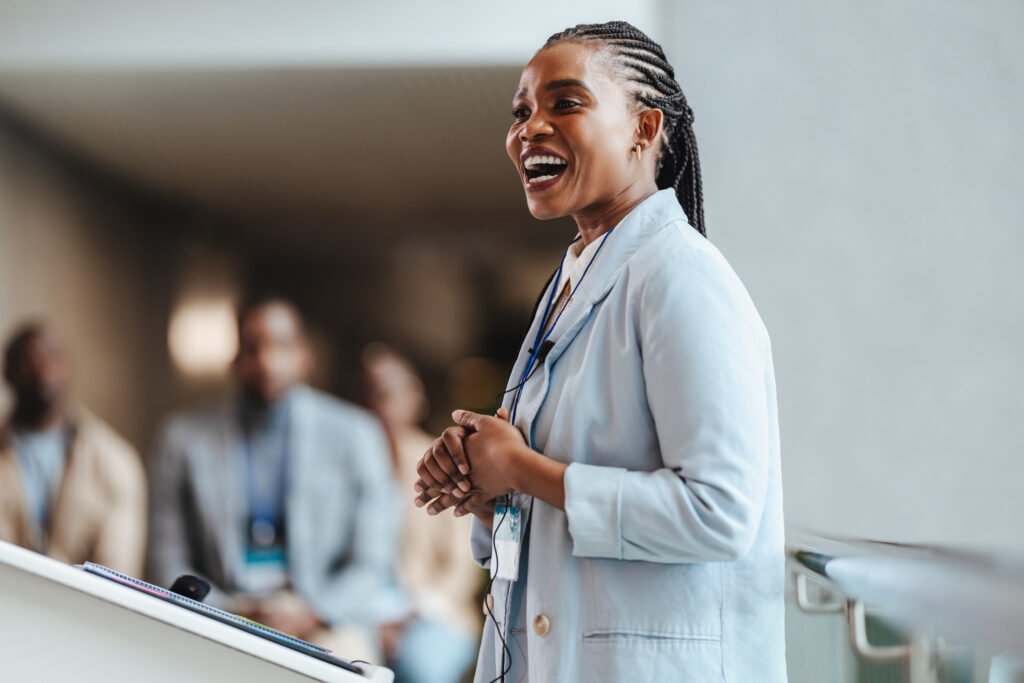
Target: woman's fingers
{"points": [[443, 502], [425, 474], [469, 420], [475, 504], [452, 438], [442, 467], [425, 494]]}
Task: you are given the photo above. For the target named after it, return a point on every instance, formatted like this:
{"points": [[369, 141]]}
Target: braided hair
{"points": [[655, 86]]}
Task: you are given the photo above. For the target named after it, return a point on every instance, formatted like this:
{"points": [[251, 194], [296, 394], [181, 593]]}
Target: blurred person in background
{"points": [[278, 494], [434, 639], [70, 487]]}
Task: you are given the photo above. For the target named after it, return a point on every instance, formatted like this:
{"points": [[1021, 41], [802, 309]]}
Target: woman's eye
{"points": [[520, 113], [566, 104]]}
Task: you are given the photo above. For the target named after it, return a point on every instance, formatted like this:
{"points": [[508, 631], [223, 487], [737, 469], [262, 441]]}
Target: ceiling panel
{"points": [[308, 145]]}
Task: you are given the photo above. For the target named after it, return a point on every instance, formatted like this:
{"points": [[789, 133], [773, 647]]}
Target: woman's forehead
{"points": [[565, 62]]}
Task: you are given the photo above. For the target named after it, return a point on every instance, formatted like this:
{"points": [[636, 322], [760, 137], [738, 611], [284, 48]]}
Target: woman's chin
{"points": [[545, 209]]}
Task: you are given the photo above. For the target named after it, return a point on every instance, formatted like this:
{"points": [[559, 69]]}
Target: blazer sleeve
{"points": [[705, 355], [360, 580], [480, 544]]}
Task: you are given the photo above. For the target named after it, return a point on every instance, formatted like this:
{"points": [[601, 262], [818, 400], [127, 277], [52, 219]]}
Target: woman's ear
{"points": [[648, 129]]}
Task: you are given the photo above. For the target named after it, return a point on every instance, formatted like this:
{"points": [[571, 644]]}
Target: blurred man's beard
{"points": [[35, 404]]}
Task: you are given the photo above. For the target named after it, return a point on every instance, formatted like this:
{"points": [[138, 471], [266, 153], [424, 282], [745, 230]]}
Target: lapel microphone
{"points": [[545, 349]]}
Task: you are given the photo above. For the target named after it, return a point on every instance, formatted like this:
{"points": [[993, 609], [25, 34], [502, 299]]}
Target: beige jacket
{"points": [[100, 511], [435, 568]]}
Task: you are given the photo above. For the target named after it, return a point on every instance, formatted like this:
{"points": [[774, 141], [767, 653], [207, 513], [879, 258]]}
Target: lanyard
{"points": [[262, 498], [544, 331]]}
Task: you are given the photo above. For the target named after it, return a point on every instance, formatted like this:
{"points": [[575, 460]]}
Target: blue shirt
{"points": [[41, 457]]}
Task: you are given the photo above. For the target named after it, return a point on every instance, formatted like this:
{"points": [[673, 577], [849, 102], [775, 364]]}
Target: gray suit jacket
{"points": [[340, 507]]}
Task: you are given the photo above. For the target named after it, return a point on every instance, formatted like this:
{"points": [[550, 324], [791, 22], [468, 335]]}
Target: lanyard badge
{"points": [[508, 542]]}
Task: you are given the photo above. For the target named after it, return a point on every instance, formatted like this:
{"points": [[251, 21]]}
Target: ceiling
{"points": [[312, 114], [370, 145]]}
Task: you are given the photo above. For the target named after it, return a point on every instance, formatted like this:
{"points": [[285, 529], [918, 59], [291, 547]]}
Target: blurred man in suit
{"points": [[279, 495], [69, 486]]}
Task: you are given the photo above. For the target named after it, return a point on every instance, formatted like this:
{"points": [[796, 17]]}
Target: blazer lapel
{"points": [[222, 489], [526, 349], [301, 466], [629, 236]]}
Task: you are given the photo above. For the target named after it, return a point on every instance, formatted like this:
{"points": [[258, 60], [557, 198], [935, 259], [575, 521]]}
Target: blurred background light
{"points": [[202, 337]]}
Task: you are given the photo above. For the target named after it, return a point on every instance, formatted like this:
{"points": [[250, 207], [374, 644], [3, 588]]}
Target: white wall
{"points": [[862, 173], [207, 33]]}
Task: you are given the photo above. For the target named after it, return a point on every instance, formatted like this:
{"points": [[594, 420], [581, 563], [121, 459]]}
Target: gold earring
{"points": [[638, 150]]}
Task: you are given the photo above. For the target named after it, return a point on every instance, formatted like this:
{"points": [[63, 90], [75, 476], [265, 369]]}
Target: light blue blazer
{"points": [[667, 563]]}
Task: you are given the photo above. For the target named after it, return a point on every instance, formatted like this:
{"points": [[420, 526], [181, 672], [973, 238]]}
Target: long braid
{"points": [[656, 87]]}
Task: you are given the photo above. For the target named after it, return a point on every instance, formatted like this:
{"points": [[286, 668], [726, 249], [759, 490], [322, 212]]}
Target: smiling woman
{"points": [[627, 496]]}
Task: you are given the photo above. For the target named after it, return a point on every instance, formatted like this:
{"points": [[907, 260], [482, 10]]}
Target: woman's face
{"points": [[572, 133]]}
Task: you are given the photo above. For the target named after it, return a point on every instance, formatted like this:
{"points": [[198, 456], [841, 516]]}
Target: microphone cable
{"points": [[506, 653]]}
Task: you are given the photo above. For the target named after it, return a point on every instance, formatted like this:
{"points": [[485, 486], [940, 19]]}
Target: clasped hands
{"points": [[470, 464]]}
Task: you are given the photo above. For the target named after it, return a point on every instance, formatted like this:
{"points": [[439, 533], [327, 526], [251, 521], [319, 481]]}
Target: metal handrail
{"points": [[926, 590]]}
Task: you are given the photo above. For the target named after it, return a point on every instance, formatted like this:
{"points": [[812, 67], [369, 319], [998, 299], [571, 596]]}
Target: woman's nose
{"points": [[536, 127]]}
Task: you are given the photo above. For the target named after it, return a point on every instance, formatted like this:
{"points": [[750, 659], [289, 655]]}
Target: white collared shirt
{"points": [[577, 257]]}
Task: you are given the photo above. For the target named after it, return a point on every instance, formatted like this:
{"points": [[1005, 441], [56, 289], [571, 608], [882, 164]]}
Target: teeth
{"points": [[541, 179], [541, 159]]}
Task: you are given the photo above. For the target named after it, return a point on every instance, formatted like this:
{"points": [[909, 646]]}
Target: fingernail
{"points": [[458, 513], [431, 512], [464, 469], [419, 487], [418, 502], [458, 493], [464, 485]]}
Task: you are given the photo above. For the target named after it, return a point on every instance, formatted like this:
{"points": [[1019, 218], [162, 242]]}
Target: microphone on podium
{"points": [[191, 587]]}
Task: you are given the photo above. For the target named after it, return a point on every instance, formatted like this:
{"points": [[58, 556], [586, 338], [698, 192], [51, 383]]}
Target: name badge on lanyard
{"points": [[266, 557], [508, 542]]}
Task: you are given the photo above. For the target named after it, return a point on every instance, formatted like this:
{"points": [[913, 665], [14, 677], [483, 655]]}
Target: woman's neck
{"points": [[598, 219]]}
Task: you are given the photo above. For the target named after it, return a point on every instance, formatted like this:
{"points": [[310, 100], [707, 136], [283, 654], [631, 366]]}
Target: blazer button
{"points": [[488, 604], [541, 625]]}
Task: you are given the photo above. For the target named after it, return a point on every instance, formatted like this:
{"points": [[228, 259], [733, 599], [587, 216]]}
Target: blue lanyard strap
{"points": [[262, 499], [544, 330]]}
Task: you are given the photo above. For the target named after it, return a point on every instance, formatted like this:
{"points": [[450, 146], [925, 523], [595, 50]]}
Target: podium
{"points": [[59, 623]]}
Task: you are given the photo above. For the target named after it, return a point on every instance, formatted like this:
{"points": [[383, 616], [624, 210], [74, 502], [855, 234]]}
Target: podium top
{"points": [[177, 617]]}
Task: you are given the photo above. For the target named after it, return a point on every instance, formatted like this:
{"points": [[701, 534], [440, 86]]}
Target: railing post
{"points": [[920, 655], [804, 602], [923, 661]]}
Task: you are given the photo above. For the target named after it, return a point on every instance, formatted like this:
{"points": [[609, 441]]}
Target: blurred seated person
{"points": [[69, 486], [279, 495], [433, 635]]}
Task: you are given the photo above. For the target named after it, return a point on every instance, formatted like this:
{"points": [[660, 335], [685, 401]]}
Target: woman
{"points": [[637, 450]]}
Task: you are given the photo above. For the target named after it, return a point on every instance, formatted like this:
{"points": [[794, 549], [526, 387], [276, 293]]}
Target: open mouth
{"points": [[542, 168]]}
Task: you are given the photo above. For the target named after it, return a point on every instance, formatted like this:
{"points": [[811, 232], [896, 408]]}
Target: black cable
{"points": [[501, 394], [505, 651]]}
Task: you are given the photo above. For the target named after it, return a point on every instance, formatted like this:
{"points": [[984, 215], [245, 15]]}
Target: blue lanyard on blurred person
{"points": [[266, 495], [544, 331]]}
